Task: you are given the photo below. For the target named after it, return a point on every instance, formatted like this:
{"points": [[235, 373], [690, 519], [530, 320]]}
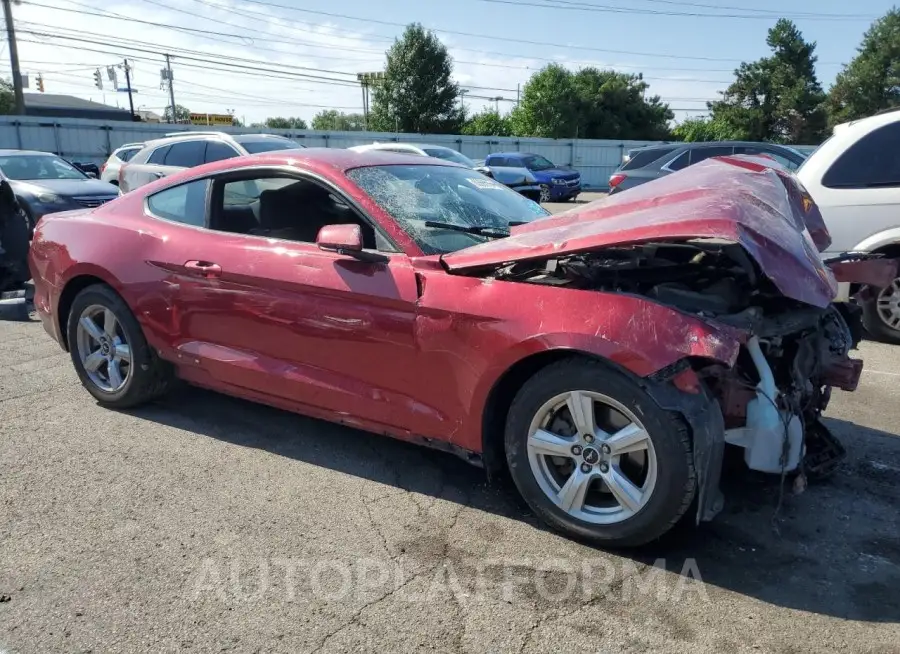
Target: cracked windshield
{"points": [[446, 208]]}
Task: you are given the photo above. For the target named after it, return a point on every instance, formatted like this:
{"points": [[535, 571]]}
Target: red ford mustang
{"points": [[605, 356]]}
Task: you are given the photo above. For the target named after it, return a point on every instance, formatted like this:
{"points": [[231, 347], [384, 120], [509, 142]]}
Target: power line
{"points": [[492, 37], [775, 12], [177, 52], [294, 42], [570, 5]]}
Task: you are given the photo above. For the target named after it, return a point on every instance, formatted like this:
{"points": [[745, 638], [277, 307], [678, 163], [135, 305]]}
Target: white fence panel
{"points": [[94, 140]]}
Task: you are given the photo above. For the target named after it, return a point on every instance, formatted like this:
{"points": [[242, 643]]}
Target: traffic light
{"points": [[98, 79], [40, 83]]}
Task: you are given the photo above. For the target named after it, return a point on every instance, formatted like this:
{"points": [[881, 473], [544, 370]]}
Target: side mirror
{"points": [[484, 170], [346, 240], [343, 239], [92, 175]]}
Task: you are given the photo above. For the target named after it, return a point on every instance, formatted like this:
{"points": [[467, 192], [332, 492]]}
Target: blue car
{"points": [[557, 184]]}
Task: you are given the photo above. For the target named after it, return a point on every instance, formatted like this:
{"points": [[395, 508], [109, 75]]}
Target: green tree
{"points": [[487, 123], [417, 94], [776, 98], [590, 103], [339, 121], [7, 97], [548, 105], [285, 123], [871, 82], [703, 129], [182, 114]]}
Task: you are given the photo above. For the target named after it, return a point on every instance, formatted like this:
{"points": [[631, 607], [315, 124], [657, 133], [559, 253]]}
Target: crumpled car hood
{"points": [[746, 200]]}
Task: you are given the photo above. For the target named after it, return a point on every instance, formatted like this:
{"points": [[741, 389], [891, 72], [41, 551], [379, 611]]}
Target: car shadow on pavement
{"points": [[833, 549]]}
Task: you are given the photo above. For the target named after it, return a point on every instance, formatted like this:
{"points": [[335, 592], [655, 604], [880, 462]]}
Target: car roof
{"points": [[510, 154], [317, 160], [6, 153], [707, 144]]}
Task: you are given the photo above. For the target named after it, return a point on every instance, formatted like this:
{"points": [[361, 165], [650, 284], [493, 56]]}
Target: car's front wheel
{"points": [[545, 193], [595, 457], [109, 351], [881, 313]]}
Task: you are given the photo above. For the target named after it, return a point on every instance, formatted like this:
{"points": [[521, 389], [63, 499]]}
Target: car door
{"points": [[285, 320], [859, 193]]}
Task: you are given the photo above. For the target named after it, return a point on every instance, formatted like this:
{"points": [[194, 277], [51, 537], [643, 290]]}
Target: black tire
{"points": [[150, 376], [874, 325], [676, 479]]}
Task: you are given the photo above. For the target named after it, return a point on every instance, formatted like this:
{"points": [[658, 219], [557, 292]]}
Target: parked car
{"points": [[181, 150], [519, 179], [854, 177], [45, 183], [109, 171], [403, 301], [557, 184], [655, 161]]}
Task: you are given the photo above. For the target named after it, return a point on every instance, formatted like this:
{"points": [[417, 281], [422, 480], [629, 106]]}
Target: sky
{"points": [[262, 58]]}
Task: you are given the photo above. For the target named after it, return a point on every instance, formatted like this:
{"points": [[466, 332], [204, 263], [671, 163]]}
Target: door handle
{"points": [[159, 175], [203, 268]]}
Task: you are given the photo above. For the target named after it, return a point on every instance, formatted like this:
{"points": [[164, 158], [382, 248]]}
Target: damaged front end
{"points": [[770, 402], [736, 243]]}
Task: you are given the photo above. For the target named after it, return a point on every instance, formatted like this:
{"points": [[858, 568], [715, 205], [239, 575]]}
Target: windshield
{"points": [[415, 194], [38, 166], [450, 155], [537, 162], [269, 145]]}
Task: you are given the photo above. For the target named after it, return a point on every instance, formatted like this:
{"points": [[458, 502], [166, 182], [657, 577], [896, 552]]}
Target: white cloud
{"points": [[324, 50]]}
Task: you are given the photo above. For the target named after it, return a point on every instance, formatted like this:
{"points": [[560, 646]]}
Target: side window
{"points": [[499, 161], [285, 208], [185, 203], [158, 156], [126, 155], [701, 154], [870, 162], [217, 151], [681, 161], [186, 155]]}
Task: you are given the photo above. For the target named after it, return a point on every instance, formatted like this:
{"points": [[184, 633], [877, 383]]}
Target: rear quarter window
{"points": [[871, 162], [185, 203]]}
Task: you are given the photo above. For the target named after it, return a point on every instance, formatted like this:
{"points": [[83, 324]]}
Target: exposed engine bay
{"points": [[792, 353]]}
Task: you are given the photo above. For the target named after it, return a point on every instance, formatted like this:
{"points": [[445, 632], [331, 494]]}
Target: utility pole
{"points": [[171, 89], [14, 58], [128, 82], [518, 93]]}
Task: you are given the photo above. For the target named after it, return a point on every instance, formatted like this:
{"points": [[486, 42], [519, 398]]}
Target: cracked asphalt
{"points": [[204, 523]]}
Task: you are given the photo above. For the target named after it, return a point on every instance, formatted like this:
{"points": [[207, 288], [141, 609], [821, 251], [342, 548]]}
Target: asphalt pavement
{"points": [[204, 523]]}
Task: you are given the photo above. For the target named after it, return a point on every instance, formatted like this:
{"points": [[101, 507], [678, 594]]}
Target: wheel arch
{"points": [[889, 250], [70, 291], [501, 395]]}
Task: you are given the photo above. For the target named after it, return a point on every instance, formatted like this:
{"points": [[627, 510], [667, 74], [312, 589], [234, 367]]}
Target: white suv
{"points": [[109, 171], [854, 178], [182, 150]]}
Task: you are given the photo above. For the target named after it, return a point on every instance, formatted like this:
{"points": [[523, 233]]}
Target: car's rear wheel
{"points": [[109, 351], [595, 457], [881, 313]]}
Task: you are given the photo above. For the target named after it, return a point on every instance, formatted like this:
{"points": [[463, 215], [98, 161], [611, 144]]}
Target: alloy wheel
{"points": [[888, 305], [103, 348], [545, 193], [592, 457]]}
